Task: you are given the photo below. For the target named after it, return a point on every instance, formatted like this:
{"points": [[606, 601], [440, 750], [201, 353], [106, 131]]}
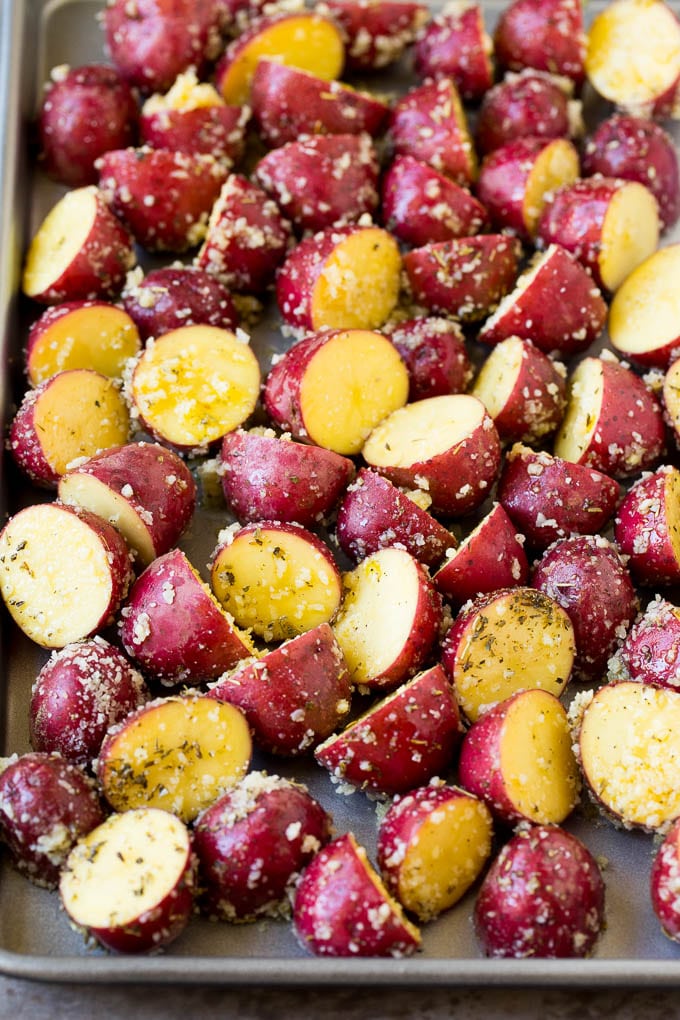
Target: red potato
{"points": [[429, 123], [46, 804], [322, 180], [542, 897], [342, 908], [164, 197], [671, 398], [377, 31], [80, 691], [73, 414], [288, 102], [145, 490], [173, 627], [80, 334], [523, 390], [277, 580], [63, 573], [466, 277], [293, 696], [454, 44], [420, 205], [252, 844], [610, 225], [613, 422], [165, 299], [318, 285], [637, 149], [433, 350], [85, 112], [176, 753], [389, 619], [650, 651], [516, 179], [530, 103], [432, 845], [546, 35], [401, 742], [130, 883], [81, 251], [507, 641], [663, 883], [548, 498], [246, 238], [447, 446], [554, 303], [586, 576], [374, 514], [492, 556], [646, 528], [369, 380], [648, 340], [518, 759], [270, 477], [215, 383], [633, 57]]}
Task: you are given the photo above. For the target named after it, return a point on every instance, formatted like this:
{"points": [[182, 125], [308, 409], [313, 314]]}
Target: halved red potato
{"points": [[46, 804], [246, 237], [613, 422], [429, 123], [420, 205], [643, 317], [193, 385], [454, 44], [523, 390], [293, 696], [646, 528], [63, 572], [628, 736], [492, 556], [80, 334], [319, 181], [342, 908], [80, 691], [543, 897], [432, 845], [172, 296], [164, 197], [518, 759], [318, 285], [554, 303], [369, 381], [546, 35], [252, 844], [374, 514], [447, 446], [633, 57], [145, 490], [301, 38], [177, 753], [504, 642], [433, 350], [173, 627], [71, 415], [549, 498], [276, 579], [389, 619], [377, 32], [671, 398], [650, 651], [465, 277], [80, 251], [288, 102], [130, 883], [401, 742], [663, 882], [528, 103], [610, 225]]}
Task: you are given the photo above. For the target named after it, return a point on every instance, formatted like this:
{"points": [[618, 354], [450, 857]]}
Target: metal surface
{"points": [[35, 939]]}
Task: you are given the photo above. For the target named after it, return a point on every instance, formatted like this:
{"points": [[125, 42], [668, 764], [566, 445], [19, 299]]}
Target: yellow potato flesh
{"points": [[187, 93], [101, 337], [645, 312], [672, 510], [498, 374], [556, 166], [358, 286], [630, 233], [422, 430], [59, 238], [394, 906], [586, 389], [83, 490], [671, 394]]}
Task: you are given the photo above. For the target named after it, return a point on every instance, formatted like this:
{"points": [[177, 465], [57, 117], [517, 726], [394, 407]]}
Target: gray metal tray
{"points": [[35, 939]]}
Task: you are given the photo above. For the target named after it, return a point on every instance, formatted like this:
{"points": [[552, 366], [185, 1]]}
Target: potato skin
{"points": [[663, 883], [528, 103], [428, 123], [543, 34], [168, 298], [376, 33], [434, 352], [650, 651], [217, 131], [455, 45], [645, 526]]}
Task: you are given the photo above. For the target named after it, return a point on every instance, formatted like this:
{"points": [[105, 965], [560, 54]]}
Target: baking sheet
{"points": [[35, 939]]}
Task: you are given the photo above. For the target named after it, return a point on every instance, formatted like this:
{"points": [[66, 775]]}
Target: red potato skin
{"points": [[642, 530], [530, 103], [377, 31], [586, 576], [542, 897], [535, 405], [650, 651], [293, 696], [85, 112], [423, 125], [375, 514], [663, 883], [546, 35], [160, 302], [45, 798], [217, 131], [455, 45], [420, 205], [433, 350], [548, 498]]}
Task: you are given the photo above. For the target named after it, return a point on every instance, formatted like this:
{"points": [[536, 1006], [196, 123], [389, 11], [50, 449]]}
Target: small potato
{"points": [[434, 352], [377, 32], [643, 317], [455, 44], [646, 528], [663, 882], [165, 299], [650, 651], [528, 103], [429, 123], [545, 35]]}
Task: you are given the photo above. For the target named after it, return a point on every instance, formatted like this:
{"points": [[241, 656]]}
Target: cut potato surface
{"points": [[644, 318], [89, 335], [59, 239], [555, 166], [630, 233], [358, 285], [586, 390], [420, 431]]}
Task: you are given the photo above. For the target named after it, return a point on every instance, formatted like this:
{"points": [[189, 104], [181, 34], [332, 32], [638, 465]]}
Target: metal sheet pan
{"points": [[35, 939]]}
